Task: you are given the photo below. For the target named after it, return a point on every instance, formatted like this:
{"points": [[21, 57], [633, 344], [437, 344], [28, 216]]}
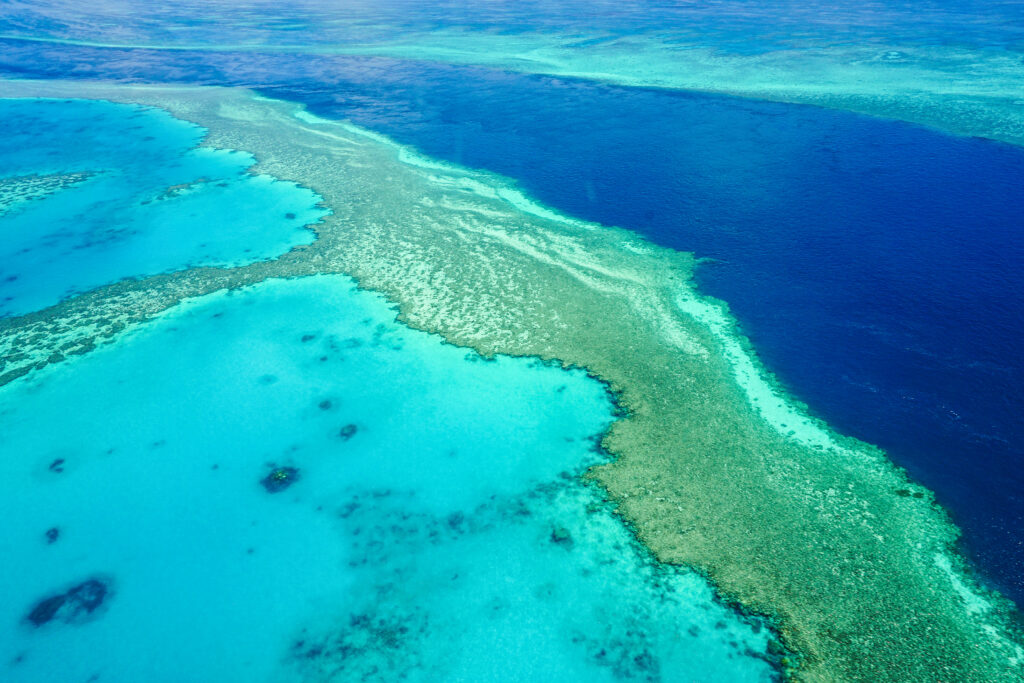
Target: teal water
{"points": [[427, 520], [143, 199]]}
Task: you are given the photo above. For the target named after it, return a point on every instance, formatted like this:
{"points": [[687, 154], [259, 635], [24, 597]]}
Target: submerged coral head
{"points": [[72, 606], [279, 479]]}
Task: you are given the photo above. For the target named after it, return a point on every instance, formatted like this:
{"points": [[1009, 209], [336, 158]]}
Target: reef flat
{"points": [[18, 190], [714, 468]]}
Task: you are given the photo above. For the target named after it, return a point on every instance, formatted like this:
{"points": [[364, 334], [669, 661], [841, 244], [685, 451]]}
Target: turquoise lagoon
{"points": [[93, 192], [426, 520]]}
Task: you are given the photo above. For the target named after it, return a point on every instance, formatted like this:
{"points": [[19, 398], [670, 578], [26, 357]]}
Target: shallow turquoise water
{"points": [[435, 526], [152, 201]]}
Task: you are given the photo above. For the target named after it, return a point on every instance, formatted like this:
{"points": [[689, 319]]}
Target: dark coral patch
{"points": [[46, 609], [561, 536], [347, 432], [279, 479], [73, 606]]}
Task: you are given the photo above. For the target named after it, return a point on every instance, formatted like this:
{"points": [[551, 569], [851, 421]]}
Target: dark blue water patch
{"points": [[875, 265]]}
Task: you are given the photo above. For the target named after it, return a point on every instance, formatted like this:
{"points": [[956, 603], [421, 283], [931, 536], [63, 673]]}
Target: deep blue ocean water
{"points": [[875, 265]]}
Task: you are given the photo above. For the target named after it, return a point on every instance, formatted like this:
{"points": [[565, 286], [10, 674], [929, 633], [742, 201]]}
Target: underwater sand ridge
{"points": [[854, 563]]}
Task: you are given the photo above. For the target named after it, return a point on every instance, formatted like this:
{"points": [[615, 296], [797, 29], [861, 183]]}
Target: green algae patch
{"points": [[787, 518]]}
